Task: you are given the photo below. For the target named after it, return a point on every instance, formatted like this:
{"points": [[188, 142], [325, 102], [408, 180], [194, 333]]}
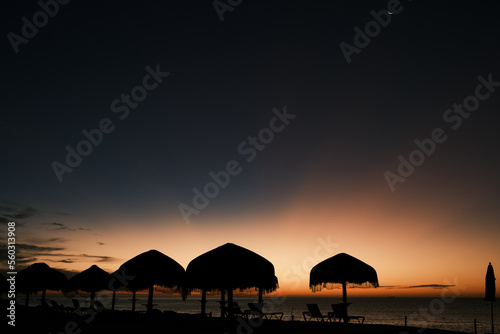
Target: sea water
{"points": [[456, 315]]}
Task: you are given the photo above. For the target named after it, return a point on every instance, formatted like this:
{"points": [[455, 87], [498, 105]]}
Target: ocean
{"points": [[456, 315]]}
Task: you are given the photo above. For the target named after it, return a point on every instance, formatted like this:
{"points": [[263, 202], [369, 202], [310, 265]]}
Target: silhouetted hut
{"points": [[40, 277], [342, 269], [230, 267], [149, 269], [91, 280]]}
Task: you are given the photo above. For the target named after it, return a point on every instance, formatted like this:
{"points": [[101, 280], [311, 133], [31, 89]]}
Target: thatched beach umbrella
{"points": [[149, 269], [91, 280], [230, 267], [40, 277], [342, 269], [490, 291]]}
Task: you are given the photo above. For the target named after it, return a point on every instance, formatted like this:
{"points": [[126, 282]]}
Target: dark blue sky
{"points": [[225, 78], [353, 119]]}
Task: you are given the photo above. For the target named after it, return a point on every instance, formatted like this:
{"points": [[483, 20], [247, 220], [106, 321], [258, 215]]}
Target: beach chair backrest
{"points": [[99, 306], [76, 303], [237, 309], [255, 307], [314, 309]]}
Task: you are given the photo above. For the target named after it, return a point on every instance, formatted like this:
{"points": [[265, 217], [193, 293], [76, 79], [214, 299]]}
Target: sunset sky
{"points": [[313, 187]]}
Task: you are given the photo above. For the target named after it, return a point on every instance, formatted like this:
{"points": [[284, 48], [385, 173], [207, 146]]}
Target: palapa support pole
{"points": [[150, 298], [260, 295], [230, 303], [203, 301], [222, 303], [43, 294], [133, 301], [92, 298], [113, 300], [344, 299], [344, 292]]}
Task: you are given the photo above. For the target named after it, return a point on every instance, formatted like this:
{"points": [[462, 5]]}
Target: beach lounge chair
{"points": [[99, 307], [340, 313], [256, 311], [237, 312], [223, 308], [44, 304], [148, 307], [60, 308], [76, 304], [79, 309], [314, 312]]}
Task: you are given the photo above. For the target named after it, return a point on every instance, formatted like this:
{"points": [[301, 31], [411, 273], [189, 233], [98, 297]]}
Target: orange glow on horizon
{"points": [[408, 245]]}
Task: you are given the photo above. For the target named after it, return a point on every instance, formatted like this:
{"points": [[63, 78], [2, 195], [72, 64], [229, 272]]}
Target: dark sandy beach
{"points": [[36, 320]]}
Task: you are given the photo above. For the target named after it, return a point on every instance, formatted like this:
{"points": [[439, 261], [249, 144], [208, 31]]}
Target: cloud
{"points": [[26, 260], [14, 214], [10, 211], [99, 258], [60, 213], [78, 257], [433, 286], [35, 248], [29, 248], [58, 240], [24, 213], [7, 209], [41, 250], [26, 253], [65, 261], [60, 226], [74, 258]]}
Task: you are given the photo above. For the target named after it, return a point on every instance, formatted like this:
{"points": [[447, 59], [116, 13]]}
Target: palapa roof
{"points": [[339, 269], [230, 267], [91, 279], [152, 268], [39, 276]]}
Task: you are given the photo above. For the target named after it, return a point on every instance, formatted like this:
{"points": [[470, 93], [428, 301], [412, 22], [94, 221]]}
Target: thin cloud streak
{"points": [[11, 211], [61, 226], [433, 286]]}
